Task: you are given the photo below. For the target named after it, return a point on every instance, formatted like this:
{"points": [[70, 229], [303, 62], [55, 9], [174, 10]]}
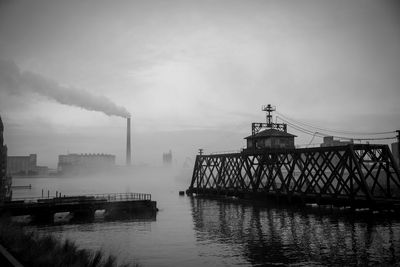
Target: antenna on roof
{"points": [[269, 109], [257, 127]]}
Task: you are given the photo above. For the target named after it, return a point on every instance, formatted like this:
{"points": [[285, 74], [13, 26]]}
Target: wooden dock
{"points": [[83, 206]]}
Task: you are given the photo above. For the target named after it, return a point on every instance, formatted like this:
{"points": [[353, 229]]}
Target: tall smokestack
{"points": [[128, 141]]}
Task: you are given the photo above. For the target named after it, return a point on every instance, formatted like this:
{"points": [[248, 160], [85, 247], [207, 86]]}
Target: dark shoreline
{"points": [[32, 249]]}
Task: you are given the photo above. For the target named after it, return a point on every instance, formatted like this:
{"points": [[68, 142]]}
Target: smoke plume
{"points": [[16, 82]]}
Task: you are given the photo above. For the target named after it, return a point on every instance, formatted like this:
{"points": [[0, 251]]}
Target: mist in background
{"points": [[193, 74]]}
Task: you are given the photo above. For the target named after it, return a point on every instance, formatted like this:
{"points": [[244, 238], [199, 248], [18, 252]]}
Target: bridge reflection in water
{"points": [[269, 235]]}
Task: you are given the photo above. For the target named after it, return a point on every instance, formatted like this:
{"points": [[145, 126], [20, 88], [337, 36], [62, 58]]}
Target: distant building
{"points": [[22, 165], [5, 180], [167, 158], [73, 163], [25, 165], [270, 138], [329, 141], [395, 152]]}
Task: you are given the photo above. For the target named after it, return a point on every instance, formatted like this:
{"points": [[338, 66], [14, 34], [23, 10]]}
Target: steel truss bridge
{"points": [[356, 175]]}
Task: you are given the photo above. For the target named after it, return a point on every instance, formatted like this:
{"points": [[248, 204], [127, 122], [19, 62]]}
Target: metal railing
{"points": [[226, 152], [109, 197], [121, 196]]}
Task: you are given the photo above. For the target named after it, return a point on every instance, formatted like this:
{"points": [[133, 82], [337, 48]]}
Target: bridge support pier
{"points": [[83, 215], [45, 217], [128, 209]]}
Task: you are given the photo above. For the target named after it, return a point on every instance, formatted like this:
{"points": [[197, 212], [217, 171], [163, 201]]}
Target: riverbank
{"points": [[32, 249]]}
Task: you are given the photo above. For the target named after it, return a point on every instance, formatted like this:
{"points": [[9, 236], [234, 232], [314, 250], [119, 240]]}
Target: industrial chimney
{"points": [[128, 141]]}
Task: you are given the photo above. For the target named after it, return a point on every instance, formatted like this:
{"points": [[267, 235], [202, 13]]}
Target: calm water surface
{"points": [[197, 232]]}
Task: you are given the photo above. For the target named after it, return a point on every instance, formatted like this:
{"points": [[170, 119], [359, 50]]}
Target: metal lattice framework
{"points": [[256, 127], [350, 174]]}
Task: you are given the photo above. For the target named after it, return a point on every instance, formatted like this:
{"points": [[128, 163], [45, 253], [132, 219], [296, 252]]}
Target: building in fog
{"points": [[22, 165], [167, 158], [5, 180], [329, 141], [395, 152], [74, 163], [25, 165], [270, 138]]}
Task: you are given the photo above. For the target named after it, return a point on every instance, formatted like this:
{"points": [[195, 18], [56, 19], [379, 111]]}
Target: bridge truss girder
{"points": [[366, 172]]}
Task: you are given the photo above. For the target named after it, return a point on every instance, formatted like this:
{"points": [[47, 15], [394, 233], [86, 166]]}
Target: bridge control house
{"points": [[274, 135], [270, 138]]}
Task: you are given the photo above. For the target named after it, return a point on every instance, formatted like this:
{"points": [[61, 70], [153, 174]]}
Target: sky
{"points": [[192, 74]]}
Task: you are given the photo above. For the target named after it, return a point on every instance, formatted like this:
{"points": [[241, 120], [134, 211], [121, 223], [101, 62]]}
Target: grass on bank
{"points": [[31, 249]]}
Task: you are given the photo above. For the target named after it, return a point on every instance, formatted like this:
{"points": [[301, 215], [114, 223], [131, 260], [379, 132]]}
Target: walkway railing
{"points": [[122, 196], [109, 197]]}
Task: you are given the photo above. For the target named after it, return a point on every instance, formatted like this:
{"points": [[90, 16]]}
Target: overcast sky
{"points": [[192, 73]]}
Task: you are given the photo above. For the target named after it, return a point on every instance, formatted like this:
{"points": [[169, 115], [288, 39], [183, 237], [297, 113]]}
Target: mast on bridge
{"points": [[256, 127]]}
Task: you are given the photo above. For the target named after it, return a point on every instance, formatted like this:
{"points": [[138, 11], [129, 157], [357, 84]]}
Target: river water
{"points": [[189, 231]]}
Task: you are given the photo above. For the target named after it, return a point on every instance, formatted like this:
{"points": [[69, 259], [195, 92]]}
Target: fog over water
{"points": [[194, 74]]}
